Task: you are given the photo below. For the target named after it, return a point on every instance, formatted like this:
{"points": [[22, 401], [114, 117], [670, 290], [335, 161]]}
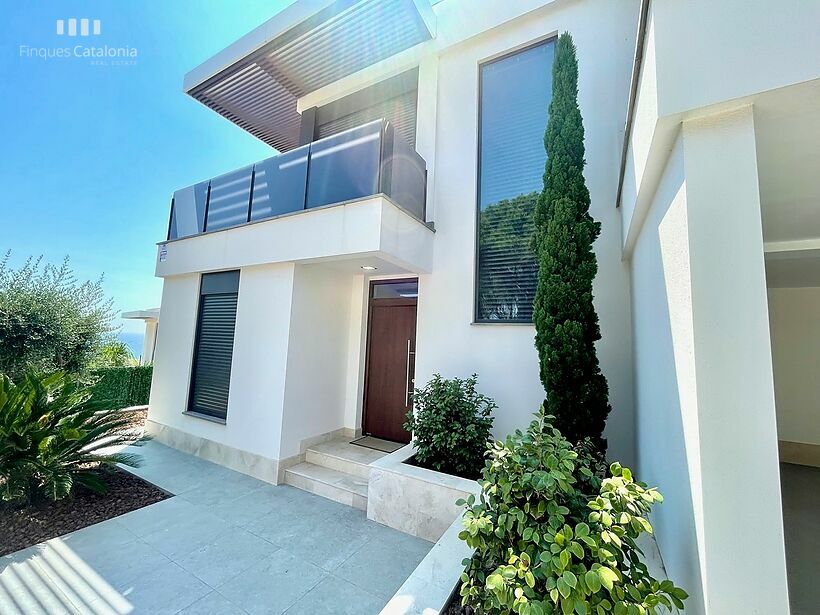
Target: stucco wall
{"points": [[741, 48], [259, 359], [705, 398], [666, 422], [794, 317], [317, 355], [504, 355]]}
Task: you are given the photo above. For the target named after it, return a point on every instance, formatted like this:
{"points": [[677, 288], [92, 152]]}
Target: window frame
{"points": [[551, 38]]}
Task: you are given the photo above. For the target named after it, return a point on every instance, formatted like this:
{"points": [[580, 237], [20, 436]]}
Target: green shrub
{"points": [[120, 387], [550, 537], [113, 353], [451, 425], [51, 438], [566, 324], [48, 319]]}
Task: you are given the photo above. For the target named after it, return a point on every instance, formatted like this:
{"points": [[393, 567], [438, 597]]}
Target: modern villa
{"points": [[386, 240]]}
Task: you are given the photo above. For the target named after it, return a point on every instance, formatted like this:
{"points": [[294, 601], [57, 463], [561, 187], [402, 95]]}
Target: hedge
{"points": [[123, 386]]}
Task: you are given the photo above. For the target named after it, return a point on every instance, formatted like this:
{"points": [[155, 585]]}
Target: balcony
{"points": [[364, 161], [358, 194]]}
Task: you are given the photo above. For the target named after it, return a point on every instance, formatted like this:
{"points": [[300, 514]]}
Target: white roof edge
{"points": [[284, 20], [149, 314], [428, 16]]}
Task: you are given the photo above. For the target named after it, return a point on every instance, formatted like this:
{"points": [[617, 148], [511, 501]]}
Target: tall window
{"points": [[515, 94], [213, 349]]}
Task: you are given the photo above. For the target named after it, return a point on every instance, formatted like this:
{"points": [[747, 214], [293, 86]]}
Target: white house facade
{"points": [[304, 296]]}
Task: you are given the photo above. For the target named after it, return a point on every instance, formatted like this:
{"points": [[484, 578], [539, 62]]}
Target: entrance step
{"points": [[337, 470], [342, 456], [328, 483]]}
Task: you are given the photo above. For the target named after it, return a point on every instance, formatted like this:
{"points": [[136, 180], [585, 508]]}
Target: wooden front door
{"points": [[391, 358]]}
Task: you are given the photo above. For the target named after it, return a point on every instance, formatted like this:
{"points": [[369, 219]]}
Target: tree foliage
{"points": [[53, 437], [551, 537], [49, 320], [113, 353], [565, 320]]}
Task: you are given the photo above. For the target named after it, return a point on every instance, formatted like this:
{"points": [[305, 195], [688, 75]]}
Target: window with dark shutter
{"points": [[213, 349], [515, 93]]}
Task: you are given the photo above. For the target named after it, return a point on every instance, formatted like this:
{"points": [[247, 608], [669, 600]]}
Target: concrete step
{"points": [[329, 483], [344, 457]]}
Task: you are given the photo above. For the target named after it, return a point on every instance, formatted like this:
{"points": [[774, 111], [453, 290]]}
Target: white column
{"points": [[149, 342], [426, 121], [742, 559]]}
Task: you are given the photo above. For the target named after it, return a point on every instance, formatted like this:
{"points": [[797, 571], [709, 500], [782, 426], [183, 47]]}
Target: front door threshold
{"points": [[336, 470]]}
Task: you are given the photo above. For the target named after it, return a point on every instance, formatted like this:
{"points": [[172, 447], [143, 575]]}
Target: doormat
{"points": [[377, 444]]}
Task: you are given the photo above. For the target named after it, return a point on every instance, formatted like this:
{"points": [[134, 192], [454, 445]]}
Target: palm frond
{"points": [[53, 436]]}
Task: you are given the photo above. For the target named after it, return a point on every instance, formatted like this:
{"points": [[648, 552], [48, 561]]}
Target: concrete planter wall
{"points": [[414, 500]]}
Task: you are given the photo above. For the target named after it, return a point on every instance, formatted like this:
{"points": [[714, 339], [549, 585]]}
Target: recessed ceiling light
{"points": [[369, 267]]}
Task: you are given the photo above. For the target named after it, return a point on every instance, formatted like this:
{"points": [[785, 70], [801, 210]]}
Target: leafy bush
{"points": [[451, 425], [48, 320], [120, 387], [552, 537], [52, 437], [113, 353]]}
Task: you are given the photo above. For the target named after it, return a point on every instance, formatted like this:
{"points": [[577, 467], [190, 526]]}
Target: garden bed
{"points": [[413, 499], [454, 607], [24, 527], [136, 416]]}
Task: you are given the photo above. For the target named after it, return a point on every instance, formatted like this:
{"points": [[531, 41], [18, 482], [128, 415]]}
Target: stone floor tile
{"points": [[213, 604], [273, 585], [169, 589], [155, 517], [335, 596], [251, 506], [232, 552], [26, 589], [187, 534], [379, 569], [223, 486]]}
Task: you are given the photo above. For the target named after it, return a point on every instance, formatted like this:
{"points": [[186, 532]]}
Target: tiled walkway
{"points": [[226, 544]]}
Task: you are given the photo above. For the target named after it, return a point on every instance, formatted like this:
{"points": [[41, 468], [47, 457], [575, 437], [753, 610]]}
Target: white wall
{"points": [[710, 52], [356, 352], [315, 390], [704, 391], [794, 317], [666, 419], [259, 360], [503, 355], [701, 57], [364, 227]]}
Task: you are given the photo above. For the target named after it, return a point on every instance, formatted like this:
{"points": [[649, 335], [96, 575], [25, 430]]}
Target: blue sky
{"points": [[90, 155]]}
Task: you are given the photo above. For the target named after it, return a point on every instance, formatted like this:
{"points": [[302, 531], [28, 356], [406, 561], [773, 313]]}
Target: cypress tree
{"points": [[566, 324]]}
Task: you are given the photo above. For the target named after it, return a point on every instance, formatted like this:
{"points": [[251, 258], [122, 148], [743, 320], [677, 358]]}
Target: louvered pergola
{"points": [[256, 81]]}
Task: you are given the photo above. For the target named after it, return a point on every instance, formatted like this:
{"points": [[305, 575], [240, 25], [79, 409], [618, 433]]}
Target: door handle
{"points": [[407, 378]]}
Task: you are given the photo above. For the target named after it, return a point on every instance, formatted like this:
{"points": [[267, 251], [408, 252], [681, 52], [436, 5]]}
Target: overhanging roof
{"points": [[257, 80], [150, 314]]}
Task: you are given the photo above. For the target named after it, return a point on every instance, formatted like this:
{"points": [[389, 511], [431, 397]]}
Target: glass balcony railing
{"points": [[363, 161]]}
